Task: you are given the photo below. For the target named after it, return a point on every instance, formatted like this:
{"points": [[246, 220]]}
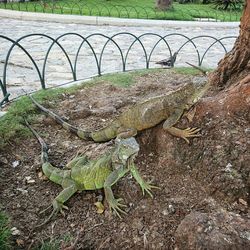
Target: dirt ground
{"points": [[212, 172]]}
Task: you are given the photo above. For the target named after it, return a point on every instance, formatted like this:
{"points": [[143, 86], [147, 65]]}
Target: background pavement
{"points": [[21, 73]]}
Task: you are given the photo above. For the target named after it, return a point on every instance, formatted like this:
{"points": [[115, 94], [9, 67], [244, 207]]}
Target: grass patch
{"points": [[126, 79], [11, 124], [118, 79], [55, 244], [4, 232], [127, 9], [189, 70]]}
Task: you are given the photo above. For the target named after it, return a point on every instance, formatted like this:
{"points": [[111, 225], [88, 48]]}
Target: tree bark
{"points": [[163, 4], [235, 66]]}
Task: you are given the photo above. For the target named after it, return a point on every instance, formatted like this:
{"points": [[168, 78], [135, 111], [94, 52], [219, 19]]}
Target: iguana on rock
{"points": [[84, 174], [146, 114]]}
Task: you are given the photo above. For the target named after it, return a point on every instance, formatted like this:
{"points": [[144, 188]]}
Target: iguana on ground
{"points": [[84, 174], [146, 114]]}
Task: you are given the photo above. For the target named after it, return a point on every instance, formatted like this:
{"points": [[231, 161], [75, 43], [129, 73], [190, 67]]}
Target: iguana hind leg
{"points": [[58, 202]]}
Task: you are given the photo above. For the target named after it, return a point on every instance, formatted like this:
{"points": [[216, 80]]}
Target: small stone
{"points": [[23, 191], [15, 164], [15, 231], [171, 209], [66, 144], [247, 130], [245, 235], [228, 168], [42, 177], [243, 202], [4, 160], [165, 212], [29, 180]]}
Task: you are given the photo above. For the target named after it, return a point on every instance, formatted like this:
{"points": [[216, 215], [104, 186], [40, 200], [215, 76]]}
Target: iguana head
{"points": [[195, 90], [126, 148]]}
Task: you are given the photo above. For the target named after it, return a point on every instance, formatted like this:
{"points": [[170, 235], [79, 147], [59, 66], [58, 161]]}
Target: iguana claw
{"points": [[116, 206], [190, 132], [184, 133], [57, 207], [145, 186]]}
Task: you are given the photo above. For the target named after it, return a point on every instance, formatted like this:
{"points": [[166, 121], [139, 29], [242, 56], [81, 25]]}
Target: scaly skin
{"points": [[146, 114], [85, 174]]}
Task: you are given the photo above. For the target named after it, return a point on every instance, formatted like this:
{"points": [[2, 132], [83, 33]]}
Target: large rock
{"points": [[218, 230]]}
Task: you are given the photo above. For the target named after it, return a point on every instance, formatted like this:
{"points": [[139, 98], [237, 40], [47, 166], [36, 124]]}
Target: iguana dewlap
{"points": [[146, 114]]}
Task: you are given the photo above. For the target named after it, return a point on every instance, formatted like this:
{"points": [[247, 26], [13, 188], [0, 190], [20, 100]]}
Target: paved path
{"points": [[21, 73]]}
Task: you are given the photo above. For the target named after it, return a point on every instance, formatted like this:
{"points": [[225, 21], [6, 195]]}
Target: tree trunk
{"points": [[235, 66], [163, 4]]}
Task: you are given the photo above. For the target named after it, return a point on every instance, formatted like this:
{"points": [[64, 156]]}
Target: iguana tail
{"points": [[80, 133], [54, 174], [44, 147], [198, 68]]}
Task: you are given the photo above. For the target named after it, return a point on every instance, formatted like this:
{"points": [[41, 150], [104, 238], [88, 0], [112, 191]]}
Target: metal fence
{"points": [[38, 61], [121, 11]]}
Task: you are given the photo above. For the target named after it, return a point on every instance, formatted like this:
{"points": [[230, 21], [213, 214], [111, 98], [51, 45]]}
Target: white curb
{"points": [[93, 20]]}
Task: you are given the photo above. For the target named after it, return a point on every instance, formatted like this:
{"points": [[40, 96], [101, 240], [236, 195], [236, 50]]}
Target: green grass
{"points": [[126, 79], [128, 9], [11, 124], [4, 232], [189, 70], [54, 244]]}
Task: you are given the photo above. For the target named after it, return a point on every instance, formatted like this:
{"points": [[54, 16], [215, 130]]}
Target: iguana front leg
{"points": [[182, 133], [145, 186], [114, 204]]}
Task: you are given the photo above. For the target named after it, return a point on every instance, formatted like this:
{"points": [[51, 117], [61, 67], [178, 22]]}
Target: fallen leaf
{"points": [[19, 242]]}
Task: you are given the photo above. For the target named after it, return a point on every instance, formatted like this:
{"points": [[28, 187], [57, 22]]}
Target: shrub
{"points": [[228, 4], [4, 232]]}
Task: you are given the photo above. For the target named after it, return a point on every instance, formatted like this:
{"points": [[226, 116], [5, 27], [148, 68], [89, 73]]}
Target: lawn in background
{"points": [[127, 9]]}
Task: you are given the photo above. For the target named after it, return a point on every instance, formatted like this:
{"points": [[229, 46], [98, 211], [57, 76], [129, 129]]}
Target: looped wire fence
{"points": [[39, 61], [121, 11]]}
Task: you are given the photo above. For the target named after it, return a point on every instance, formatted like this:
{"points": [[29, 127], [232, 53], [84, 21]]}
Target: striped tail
{"points": [[44, 147], [54, 174], [80, 133]]}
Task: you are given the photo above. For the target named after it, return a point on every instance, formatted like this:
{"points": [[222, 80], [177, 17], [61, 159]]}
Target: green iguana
{"points": [[84, 174], [146, 114]]}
